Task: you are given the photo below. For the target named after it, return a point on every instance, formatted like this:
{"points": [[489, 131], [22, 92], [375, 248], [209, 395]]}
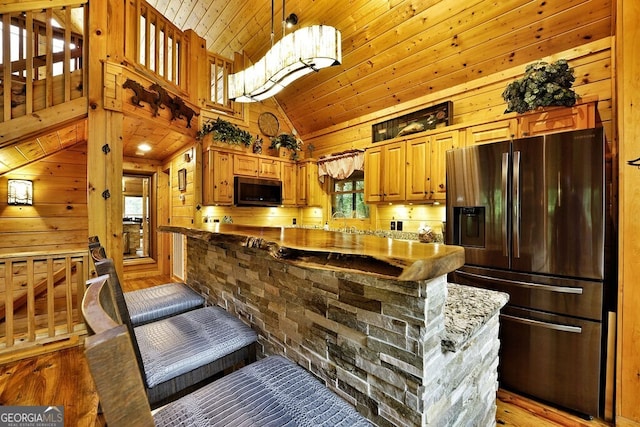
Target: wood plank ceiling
{"points": [[394, 50]]}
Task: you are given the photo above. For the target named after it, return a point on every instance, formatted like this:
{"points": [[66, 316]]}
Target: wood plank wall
{"points": [[628, 69], [480, 101], [58, 218]]}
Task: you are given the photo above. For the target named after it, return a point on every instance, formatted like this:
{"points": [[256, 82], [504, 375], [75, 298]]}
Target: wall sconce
{"points": [[20, 192]]}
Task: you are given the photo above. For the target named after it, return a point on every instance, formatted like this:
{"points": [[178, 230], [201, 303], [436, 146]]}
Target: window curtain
{"points": [[340, 165]]}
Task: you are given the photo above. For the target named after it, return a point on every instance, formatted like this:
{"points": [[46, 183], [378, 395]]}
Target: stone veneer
{"points": [[380, 343]]}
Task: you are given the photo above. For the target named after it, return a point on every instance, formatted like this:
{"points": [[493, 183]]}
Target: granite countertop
{"points": [[466, 310], [369, 254]]}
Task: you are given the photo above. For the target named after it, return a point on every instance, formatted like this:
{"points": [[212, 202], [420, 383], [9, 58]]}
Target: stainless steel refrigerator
{"points": [[530, 214]]}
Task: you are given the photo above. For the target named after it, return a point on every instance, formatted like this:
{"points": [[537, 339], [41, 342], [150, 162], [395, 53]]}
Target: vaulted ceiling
{"points": [[394, 50]]}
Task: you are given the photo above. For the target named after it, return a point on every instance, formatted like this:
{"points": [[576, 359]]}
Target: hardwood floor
{"points": [[62, 378]]}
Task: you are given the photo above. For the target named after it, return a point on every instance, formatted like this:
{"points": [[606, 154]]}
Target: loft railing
{"points": [[155, 43], [41, 58], [40, 298]]}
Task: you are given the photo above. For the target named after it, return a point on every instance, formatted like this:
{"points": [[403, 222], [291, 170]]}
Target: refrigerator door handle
{"points": [[505, 177], [554, 326], [516, 204], [531, 285]]}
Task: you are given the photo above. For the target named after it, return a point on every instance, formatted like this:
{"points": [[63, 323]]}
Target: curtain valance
{"points": [[340, 165]]}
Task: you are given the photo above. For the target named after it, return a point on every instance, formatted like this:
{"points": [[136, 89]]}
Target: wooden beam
{"points": [[33, 124], [628, 127], [12, 6]]}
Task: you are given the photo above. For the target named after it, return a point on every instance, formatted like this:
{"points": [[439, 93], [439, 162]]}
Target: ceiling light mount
{"points": [[291, 20]]}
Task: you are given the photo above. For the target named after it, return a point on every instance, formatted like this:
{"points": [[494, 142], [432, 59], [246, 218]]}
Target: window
{"points": [[347, 197], [133, 206], [219, 70]]}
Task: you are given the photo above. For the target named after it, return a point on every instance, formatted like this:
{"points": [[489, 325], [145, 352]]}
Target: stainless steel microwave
{"points": [[256, 192]]}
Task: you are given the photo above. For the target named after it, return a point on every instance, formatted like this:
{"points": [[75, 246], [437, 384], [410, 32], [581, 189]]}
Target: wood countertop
{"points": [[368, 254]]}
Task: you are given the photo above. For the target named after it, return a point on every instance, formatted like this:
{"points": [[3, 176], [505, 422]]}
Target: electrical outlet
{"points": [[393, 225], [294, 221], [399, 225]]}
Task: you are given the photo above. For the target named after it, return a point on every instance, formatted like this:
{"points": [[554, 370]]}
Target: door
{"points": [[558, 204], [477, 203]]}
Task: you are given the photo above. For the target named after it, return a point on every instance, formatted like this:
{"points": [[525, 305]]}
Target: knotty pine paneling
{"points": [[480, 100], [58, 218], [449, 47]]}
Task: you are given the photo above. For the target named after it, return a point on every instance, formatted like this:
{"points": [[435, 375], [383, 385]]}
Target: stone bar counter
{"points": [[371, 317]]}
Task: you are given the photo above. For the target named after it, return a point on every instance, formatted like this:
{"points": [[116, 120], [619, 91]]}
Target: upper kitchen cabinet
{"points": [[384, 178], [501, 130], [289, 172], [269, 168], [309, 188], [426, 168], [558, 119], [217, 178], [245, 165], [256, 166], [541, 121]]}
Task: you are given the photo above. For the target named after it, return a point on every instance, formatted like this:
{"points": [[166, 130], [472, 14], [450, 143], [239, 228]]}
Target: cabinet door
{"points": [[503, 130], [245, 165], [309, 187], [394, 172], [373, 175], [207, 178], [314, 186], [222, 178], [268, 168], [418, 169], [558, 119], [289, 188], [440, 144], [301, 184]]}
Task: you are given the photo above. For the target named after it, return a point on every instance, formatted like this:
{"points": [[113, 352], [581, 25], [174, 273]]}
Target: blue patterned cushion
{"points": [[182, 343], [271, 392], [149, 304]]}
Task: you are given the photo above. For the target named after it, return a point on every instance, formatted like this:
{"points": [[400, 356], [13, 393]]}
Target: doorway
{"points": [[136, 218]]}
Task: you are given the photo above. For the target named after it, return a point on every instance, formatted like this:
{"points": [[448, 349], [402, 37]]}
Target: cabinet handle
{"points": [[441, 186]]}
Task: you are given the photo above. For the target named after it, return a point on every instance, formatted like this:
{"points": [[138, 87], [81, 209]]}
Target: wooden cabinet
{"points": [[245, 165], [268, 168], [440, 144], [542, 121], [557, 119], [217, 178], [289, 173], [502, 130], [418, 171], [426, 166], [384, 178], [309, 187]]}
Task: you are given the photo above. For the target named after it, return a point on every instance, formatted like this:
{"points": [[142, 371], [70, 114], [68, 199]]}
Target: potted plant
{"points": [[288, 141], [543, 85], [224, 131]]}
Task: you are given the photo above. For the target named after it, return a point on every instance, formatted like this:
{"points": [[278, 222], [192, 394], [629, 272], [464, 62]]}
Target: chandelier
{"points": [[293, 56]]}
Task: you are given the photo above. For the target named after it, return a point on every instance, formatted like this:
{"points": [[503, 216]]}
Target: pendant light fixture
{"points": [[293, 56]]}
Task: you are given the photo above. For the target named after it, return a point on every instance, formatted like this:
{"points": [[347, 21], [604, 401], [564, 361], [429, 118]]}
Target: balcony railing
{"points": [[40, 299], [41, 59]]}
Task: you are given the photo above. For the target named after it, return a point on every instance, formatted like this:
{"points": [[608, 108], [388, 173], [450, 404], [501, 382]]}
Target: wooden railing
{"points": [[40, 302], [156, 43], [41, 61]]}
